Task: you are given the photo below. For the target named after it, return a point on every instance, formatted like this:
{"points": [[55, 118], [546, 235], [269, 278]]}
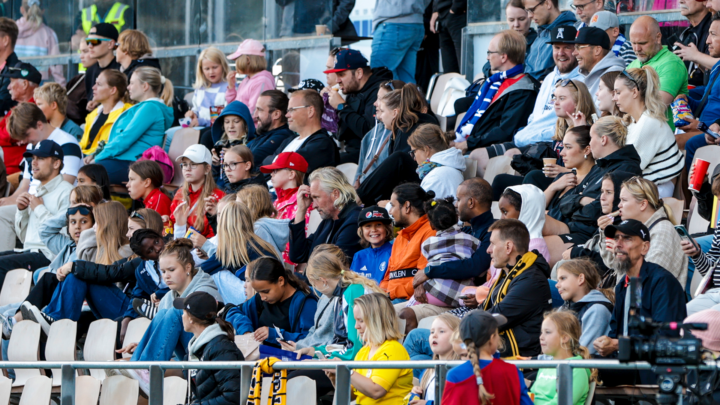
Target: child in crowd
{"points": [[484, 378], [458, 346], [233, 127], [144, 218], [375, 232], [560, 339], [441, 332], [149, 285], [144, 181], [249, 61], [188, 206], [107, 242], [51, 98], [95, 175], [239, 169], [210, 86], [577, 281], [273, 231]]}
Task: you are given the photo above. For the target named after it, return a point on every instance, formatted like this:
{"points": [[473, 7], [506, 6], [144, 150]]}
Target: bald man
{"points": [[647, 43]]}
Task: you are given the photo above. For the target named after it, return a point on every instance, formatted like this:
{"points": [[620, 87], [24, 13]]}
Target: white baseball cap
{"points": [[197, 153]]}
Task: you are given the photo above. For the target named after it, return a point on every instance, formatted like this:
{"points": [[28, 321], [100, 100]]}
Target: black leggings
{"points": [[396, 169], [41, 294]]}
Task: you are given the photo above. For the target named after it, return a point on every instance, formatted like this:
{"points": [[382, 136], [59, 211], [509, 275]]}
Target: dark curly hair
{"points": [[441, 213]]}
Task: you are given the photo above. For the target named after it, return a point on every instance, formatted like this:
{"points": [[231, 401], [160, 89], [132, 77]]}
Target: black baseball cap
{"points": [[630, 227], [23, 70], [479, 325], [199, 304], [309, 84], [105, 30], [46, 148], [374, 214], [348, 59], [564, 34], [593, 36]]}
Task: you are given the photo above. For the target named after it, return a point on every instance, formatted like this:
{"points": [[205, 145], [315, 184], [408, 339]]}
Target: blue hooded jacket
{"points": [[371, 262], [244, 318], [711, 110], [539, 61], [241, 110], [145, 286]]}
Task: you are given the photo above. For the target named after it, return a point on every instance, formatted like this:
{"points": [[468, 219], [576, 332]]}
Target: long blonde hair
{"points": [[257, 199], [643, 189], [33, 14], [647, 82], [568, 325], [236, 235], [158, 83], [112, 229], [213, 55], [583, 102], [207, 190], [326, 261], [453, 322], [381, 321]]}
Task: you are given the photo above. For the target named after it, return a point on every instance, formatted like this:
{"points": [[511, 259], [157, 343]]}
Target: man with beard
{"points": [[271, 126], [663, 298], [594, 57]]}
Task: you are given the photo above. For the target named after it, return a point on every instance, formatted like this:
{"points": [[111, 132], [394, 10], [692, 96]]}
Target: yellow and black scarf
{"points": [[277, 395]]}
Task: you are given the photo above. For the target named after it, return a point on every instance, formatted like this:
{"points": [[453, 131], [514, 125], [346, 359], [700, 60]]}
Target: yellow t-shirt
{"points": [[397, 383]]}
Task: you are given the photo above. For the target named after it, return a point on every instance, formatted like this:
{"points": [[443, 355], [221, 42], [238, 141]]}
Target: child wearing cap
{"points": [[484, 378], [376, 233], [188, 206], [249, 61]]}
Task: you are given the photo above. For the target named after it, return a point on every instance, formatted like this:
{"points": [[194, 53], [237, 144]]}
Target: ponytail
{"points": [[168, 92], [483, 396], [329, 261], [409, 103], [647, 81], [159, 84], [226, 327], [415, 194], [33, 13]]}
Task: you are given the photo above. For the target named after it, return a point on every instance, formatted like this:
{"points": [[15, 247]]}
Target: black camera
{"points": [[225, 144]]}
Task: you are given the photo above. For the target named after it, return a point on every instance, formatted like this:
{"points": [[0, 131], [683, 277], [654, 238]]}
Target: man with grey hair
{"points": [[334, 198]]}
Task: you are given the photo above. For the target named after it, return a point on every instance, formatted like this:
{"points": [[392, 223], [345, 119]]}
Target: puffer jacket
{"points": [[215, 387]]}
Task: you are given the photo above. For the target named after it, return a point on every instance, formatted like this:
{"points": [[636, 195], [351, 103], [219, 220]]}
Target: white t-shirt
{"points": [[296, 144], [72, 160]]}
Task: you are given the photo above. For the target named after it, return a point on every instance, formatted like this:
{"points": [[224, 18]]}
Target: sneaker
{"points": [[144, 307], [7, 326], [34, 314], [143, 378]]}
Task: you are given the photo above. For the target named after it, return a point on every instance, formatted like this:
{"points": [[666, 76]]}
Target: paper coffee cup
{"points": [[698, 176], [548, 162], [321, 29]]}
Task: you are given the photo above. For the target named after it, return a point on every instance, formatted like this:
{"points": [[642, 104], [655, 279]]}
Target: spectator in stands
{"points": [[407, 208], [438, 339], [273, 231], [109, 93], [440, 167], [37, 39], [694, 38], [140, 127], [21, 88], [334, 198], [637, 95], [401, 111], [376, 233], [592, 50], [560, 340], [585, 10], [233, 127], [608, 22], [379, 329], [271, 127], [360, 86], [144, 218], [239, 169], [672, 74], [504, 102], [133, 51], [518, 19], [213, 340], [521, 293], [541, 123], [466, 384], [663, 299], [330, 115], [282, 300], [95, 175], [52, 100], [145, 179], [77, 97], [449, 18], [312, 142], [577, 282], [547, 15], [710, 342], [397, 33], [250, 61], [526, 203], [102, 41], [604, 95], [9, 59]]}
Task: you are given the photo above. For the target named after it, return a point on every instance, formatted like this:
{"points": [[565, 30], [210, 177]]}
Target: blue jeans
{"points": [[231, 288], [117, 169], [692, 145], [105, 301], [395, 46], [164, 336], [417, 344], [705, 243]]}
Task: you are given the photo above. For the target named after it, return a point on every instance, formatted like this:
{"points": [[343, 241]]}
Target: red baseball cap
{"points": [[287, 160]]}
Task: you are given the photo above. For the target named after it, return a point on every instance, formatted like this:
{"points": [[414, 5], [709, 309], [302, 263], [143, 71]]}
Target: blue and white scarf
{"points": [[483, 100], [619, 41]]}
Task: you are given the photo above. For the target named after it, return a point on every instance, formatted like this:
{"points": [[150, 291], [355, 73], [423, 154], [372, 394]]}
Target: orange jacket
{"points": [[406, 258]]}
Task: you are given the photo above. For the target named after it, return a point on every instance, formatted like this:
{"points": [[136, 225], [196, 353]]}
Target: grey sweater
{"points": [[321, 333], [595, 321], [201, 282]]}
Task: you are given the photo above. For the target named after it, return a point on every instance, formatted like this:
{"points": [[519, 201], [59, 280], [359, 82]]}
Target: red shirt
{"points": [[12, 151], [507, 83], [206, 230], [158, 201]]}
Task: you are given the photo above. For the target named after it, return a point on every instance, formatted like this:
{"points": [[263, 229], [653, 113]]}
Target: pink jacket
{"points": [[250, 89], [39, 42]]}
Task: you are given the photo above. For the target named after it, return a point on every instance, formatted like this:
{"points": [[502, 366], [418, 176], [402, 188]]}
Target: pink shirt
{"points": [[250, 89]]}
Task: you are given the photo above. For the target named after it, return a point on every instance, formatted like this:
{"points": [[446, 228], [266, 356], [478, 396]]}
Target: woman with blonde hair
{"points": [[378, 327], [133, 51], [250, 61], [273, 231], [637, 93], [108, 242], [144, 218], [639, 200], [34, 38]]}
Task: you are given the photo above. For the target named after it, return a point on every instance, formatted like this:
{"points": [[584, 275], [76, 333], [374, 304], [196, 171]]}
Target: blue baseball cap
{"points": [[46, 148], [348, 59]]}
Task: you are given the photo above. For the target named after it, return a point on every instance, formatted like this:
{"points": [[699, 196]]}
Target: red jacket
{"points": [[158, 201], [194, 196], [500, 379], [12, 151]]}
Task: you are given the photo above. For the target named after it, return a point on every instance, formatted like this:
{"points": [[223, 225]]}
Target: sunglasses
{"points": [[135, 214], [83, 209], [565, 83], [96, 41]]}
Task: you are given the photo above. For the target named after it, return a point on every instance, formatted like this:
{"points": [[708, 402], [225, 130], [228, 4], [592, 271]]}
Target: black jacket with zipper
{"points": [[218, 387], [319, 150]]}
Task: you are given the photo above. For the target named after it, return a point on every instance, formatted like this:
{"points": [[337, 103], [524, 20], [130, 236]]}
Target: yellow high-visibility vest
{"points": [[115, 16]]}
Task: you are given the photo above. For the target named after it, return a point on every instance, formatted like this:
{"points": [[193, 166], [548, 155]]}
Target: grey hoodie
{"points": [[446, 178], [201, 282], [399, 11], [322, 332], [197, 342], [273, 231], [595, 321], [610, 63], [369, 147], [87, 247]]}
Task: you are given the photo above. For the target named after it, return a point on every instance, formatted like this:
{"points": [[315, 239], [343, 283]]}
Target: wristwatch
{"points": [[340, 106]]}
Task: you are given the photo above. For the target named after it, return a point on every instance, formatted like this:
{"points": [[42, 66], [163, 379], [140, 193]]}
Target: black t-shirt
{"points": [[99, 122], [92, 74], [277, 314]]}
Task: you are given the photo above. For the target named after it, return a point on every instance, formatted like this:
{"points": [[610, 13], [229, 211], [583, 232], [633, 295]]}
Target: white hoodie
{"points": [[532, 210], [444, 180]]}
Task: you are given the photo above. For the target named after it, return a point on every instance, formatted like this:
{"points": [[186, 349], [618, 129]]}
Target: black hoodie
{"points": [[144, 61]]}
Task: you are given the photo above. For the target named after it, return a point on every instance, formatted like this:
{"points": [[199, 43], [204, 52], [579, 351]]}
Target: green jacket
{"points": [[545, 386], [354, 343]]}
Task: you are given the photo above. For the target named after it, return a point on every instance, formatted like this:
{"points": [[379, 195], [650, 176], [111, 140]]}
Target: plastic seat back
{"points": [[303, 390], [87, 390], [135, 331], [349, 170], [119, 390], [5, 390], [15, 287], [37, 391], [24, 344], [175, 391], [61, 345], [100, 344], [181, 141]]}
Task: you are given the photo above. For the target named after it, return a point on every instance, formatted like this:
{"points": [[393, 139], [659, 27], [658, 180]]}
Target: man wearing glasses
{"points": [[592, 50], [546, 14], [585, 9], [102, 41]]}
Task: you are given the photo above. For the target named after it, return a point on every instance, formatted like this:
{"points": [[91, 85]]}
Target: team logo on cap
{"points": [[369, 215], [643, 233], [188, 307], [594, 19], [560, 33]]}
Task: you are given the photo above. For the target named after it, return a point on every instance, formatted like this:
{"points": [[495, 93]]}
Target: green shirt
{"points": [[672, 72], [545, 385]]}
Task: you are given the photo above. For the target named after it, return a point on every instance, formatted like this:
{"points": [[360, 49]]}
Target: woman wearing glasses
{"points": [[239, 167], [637, 93]]}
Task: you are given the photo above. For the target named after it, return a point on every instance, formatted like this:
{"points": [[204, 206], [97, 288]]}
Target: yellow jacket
{"points": [[104, 132]]}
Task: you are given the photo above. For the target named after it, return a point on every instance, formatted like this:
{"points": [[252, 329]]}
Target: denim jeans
{"points": [[417, 344], [705, 243], [164, 336], [231, 288], [395, 46], [105, 301], [691, 146]]}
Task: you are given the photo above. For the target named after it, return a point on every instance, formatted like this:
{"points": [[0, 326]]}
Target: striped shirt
{"points": [[660, 158], [706, 261]]}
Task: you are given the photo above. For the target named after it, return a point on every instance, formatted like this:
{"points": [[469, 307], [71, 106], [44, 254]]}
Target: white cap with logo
{"points": [[197, 153]]}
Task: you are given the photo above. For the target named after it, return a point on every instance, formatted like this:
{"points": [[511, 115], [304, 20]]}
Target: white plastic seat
{"points": [[470, 168], [16, 286], [100, 344], [24, 345], [175, 391], [37, 391], [495, 209], [87, 390], [180, 141], [497, 165], [315, 220], [135, 331], [302, 390], [349, 170], [676, 206], [119, 390], [62, 346], [426, 323], [5, 390], [439, 89]]}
